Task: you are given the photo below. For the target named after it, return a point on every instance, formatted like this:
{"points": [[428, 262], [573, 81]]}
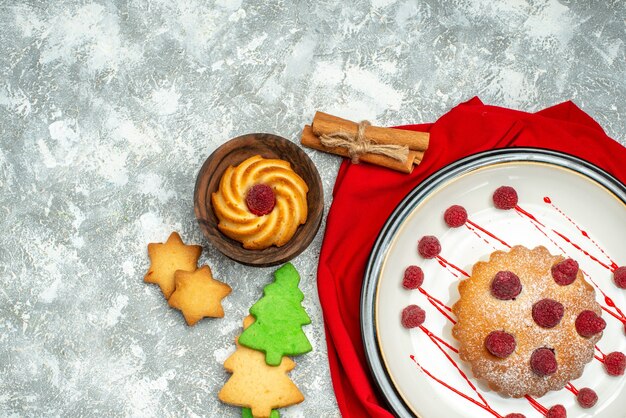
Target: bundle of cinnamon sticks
{"points": [[407, 147]]}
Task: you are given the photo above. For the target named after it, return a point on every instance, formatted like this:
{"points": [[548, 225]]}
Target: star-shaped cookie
{"points": [[168, 257], [198, 295]]}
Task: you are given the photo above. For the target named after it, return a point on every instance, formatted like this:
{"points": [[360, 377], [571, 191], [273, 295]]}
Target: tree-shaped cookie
{"points": [[256, 385], [168, 257], [279, 316], [198, 294], [247, 413]]}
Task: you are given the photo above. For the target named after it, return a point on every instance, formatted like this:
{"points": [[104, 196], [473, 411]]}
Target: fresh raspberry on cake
{"points": [[499, 343], [557, 411], [615, 363], [587, 397], [429, 246], [505, 197], [565, 272], [515, 415], [619, 277], [260, 199], [413, 316], [547, 313], [543, 362], [413, 277], [506, 285], [589, 324], [455, 216]]}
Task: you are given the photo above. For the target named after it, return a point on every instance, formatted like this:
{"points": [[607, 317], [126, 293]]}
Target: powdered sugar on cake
{"points": [[479, 313]]}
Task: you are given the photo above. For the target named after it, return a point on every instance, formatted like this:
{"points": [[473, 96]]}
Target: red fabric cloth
{"points": [[365, 195]]}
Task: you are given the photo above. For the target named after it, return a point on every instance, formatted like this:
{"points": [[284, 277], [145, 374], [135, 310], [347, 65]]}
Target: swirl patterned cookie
{"points": [[260, 203]]}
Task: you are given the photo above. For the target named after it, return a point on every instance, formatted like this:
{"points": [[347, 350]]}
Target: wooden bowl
{"points": [[233, 153]]}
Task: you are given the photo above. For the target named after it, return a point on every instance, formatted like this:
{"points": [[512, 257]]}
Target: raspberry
{"points": [[260, 199], [587, 397], [543, 362], [615, 363], [565, 272], [557, 411], [413, 277], [429, 246], [619, 277], [500, 344], [589, 324], [413, 316], [515, 415], [547, 313], [505, 285], [455, 216], [505, 197]]}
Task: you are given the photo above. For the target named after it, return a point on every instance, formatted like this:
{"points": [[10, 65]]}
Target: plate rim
{"points": [[465, 165]]}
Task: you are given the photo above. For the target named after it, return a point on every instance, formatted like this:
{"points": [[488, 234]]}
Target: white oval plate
{"points": [[583, 198]]}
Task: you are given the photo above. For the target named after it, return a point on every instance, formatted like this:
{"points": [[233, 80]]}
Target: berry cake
{"points": [[527, 321], [260, 203]]}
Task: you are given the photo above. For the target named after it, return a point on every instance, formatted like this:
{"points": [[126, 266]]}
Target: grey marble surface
{"points": [[109, 108]]}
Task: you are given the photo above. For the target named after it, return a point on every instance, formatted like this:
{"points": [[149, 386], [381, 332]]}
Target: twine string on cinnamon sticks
{"points": [[359, 144], [356, 141]]}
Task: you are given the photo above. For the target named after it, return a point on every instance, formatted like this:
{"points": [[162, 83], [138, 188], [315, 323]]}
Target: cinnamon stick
{"points": [[311, 140], [325, 124]]}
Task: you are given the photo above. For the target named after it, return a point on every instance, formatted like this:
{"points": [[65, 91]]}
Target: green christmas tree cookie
{"points": [[247, 413], [279, 316]]}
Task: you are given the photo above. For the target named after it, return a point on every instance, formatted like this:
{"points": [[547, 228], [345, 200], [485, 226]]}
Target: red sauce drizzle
{"points": [[458, 392], [446, 263], [437, 340], [573, 244], [441, 340], [439, 305], [442, 264], [536, 222], [571, 388], [435, 300], [483, 230], [582, 231], [528, 215], [536, 225], [479, 236], [620, 315], [600, 359], [535, 404], [617, 313]]}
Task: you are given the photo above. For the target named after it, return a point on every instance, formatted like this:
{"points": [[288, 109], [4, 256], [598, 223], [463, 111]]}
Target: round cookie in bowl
{"points": [[259, 200]]}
